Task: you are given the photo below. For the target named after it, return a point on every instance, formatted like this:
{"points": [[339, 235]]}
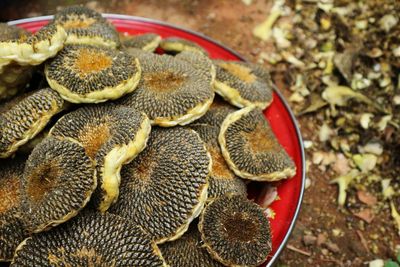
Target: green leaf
{"points": [[398, 256], [390, 263]]}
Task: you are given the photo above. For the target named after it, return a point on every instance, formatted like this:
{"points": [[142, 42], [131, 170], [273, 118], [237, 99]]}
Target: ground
{"points": [[325, 234]]}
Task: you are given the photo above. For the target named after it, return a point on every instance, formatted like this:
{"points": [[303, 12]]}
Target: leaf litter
{"points": [[341, 61]]}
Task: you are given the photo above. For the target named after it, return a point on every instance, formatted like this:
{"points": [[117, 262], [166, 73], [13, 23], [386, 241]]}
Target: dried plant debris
{"points": [[342, 65], [263, 30], [395, 215]]}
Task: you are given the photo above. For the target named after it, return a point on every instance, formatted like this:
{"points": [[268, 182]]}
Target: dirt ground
{"points": [[325, 235]]}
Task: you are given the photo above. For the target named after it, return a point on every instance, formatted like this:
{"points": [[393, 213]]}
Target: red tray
{"points": [[278, 114]]}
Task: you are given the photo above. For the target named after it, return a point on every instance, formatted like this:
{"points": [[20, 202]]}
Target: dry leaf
{"points": [[344, 62], [333, 247], [309, 240], [366, 198], [316, 103], [363, 240], [341, 165], [371, 147], [321, 239], [366, 215], [269, 194], [323, 158]]}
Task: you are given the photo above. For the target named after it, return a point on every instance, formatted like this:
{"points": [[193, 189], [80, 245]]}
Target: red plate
{"points": [[278, 114]]}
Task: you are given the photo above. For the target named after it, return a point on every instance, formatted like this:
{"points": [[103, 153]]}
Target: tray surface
{"points": [[279, 115]]}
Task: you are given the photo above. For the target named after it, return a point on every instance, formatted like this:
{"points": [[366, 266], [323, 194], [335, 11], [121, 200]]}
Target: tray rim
{"points": [[280, 95]]}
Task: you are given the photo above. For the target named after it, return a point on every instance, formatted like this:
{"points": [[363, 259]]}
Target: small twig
{"points": [[338, 263], [306, 253], [363, 241]]}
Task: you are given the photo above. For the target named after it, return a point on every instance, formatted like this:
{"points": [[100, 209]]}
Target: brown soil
{"points": [[335, 237]]}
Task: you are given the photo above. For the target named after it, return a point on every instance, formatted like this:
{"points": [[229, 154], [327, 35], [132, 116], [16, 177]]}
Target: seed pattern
{"points": [[11, 225], [252, 147], [100, 129], [23, 117], [66, 177], [63, 69], [179, 99], [90, 239], [256, 90], [235, 231], [168, 178], [87, 26], [222, 179]]}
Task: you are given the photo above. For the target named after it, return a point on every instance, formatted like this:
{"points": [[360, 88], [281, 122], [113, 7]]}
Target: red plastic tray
{"points": [[278, 114]]}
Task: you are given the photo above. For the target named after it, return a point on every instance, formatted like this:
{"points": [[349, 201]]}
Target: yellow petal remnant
{"points": [[387, 189], [325, 23], [264, 30], [344, 182], [290, 58], [270, 213], [325, 132], [247, 2], [376, 263], [365, 162], [384, 122], [366, 119], [395, 215]]}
